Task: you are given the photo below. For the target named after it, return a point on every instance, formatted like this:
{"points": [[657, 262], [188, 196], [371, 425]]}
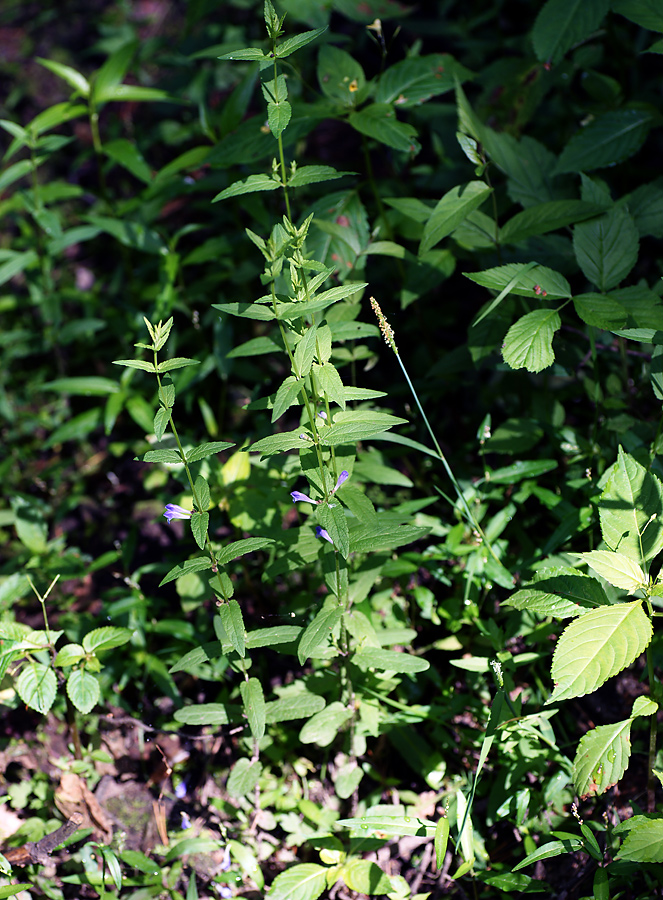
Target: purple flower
{"points": [[173, 511], [186, 821], [298, 497], [180, 790], [321, 533], [225, 863], [341, 478], [224, 891]]}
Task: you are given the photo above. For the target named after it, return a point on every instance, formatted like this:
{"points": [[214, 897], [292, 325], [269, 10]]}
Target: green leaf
{"points": [[240, 548], [416, 79], [69, 655], [73, 78], [83, 690], [549, 850], [177, 362], [298, 705], [254, 705], [644, 842], [556, 287], [366, 877], [199, 526], [333, 519], [131, 234], [161, 422], [608, 139], [135, 364], [527, 164], [379, 122], [278, 443], [202, 491], [646, 13], [246, 310], [528, 343], [305, 352], [329, 382], [631, 510], [199, 564], [233, 624], [290, 45], [278, 117], [616, 568], [127, 155], [322, 728], [255, 347], [340, 76], [289, 392], [31, 527], [251, 185], [89, 386], [210, 448], [37, 686], [318, 632], [248, 53], [607, 248], [305, 881], [441, 840], [389, 661], [357, 425], [602, 758], [243, 777], [450, 211], [559, 592], [561, 24], [169, 457], [268, 637], [208, 714], [384, 535], [314, 175], [113, 71], [544, 217], [596, 646], [135, 93], [106, 638]]}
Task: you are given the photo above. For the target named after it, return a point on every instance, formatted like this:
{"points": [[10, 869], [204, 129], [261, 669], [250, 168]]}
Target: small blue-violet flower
{"points": [[180, 790], [224, 891], [173, 511], [225, 863], [298, 497], [321, 533], [186, 821], [341, 478]]}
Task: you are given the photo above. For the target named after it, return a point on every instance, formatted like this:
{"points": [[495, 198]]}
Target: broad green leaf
{"points": [[366, 877], [243, 777], [289, 392], [314, 175], [106, 638], [112, 72], [384, 535], [248, 53], [561, 24], [135, 364], [322, 728], [11, 174], [233, 623], [528, 343], [240, 548], [177, 362], [412, 207], [389, 661], [199, 526], [357, 425], [255, 347], [299, 705], [318, 631], [631, 510], [278, 117], [596, 646], [616, 568], [208, 714], [127, 155], [379, 122], [161, 422], [545, 217], [340, 76], [251, 185], [279, 443], [199, 564], [608, 139], [254, 705], [416, 79], [69, 655], [305, 881], [450, 211], [607, 247], [601, 310], [83, 690], [647, 13], [37, 685], [644, 842], [527, 164], [268, 637], [202, 493], [210, 448], [329, 382], [30, 524], [73, 78], [358, 503], [602, 758], [291, 44], [559, 592], [333, 519], [305, 352], [532, 282]]}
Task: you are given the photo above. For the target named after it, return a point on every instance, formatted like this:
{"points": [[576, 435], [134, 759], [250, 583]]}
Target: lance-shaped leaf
{"points": [[319, 631], [254, 704], [597, 646], [233, 624], [616, 568], [644, 842], [334, 521], [528, 343], [450, 211], [322, 728], [559, 592]]}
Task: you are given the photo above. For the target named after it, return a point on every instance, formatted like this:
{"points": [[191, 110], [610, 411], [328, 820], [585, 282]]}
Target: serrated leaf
{"points": [[243, 777], [330, 383], [161, 422], [291, 44], [608, 139], [208, 714], [246, 310], [106, 638], [239, 548], [233, 623], [36, 685], [289, 392], [596, 646], [617, 569], [357, 425], [607, 247], [191, 565], [178, 362], [556, 287], [644, 843], [544, 217], [384, 536], [561, 24], [208, 449], [135, 364], [278, 117], [305, 881], [333, 519], [559, 592], [322, 728], [299, 705], [549, 850], [602, 758], [419, 78], [631, 510], [83, 690], [366, 877], [389, 661], [248, 53], [254, 705], [199, 526], [379, 122], [646, 13], [305, 352], [278, 443], [203, 494], [318, 631], [528, 343], [169, 457], [251, 185], [450, 211], [268, 637], [340, 76], [314, 175]]}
